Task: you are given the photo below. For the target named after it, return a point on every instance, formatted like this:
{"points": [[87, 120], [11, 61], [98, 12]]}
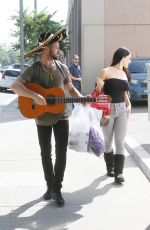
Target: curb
{"points": [[7, 100], [139, 154]]}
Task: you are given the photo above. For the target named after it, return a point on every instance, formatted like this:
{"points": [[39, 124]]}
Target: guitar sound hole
{"points": [[33, 104], [51, 99]]}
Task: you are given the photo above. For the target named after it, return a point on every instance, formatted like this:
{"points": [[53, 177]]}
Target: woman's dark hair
{"points": [[117, 57]]}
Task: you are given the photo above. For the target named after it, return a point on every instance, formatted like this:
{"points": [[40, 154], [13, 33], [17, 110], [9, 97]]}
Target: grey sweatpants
{"points": [[116, 128]]}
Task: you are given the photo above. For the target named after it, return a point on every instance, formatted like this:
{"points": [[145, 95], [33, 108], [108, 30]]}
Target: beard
{"points": [[53, 55], [55, 58]]}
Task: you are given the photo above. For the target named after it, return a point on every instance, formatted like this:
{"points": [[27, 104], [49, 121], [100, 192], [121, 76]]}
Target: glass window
{"points": [[12, 73]]}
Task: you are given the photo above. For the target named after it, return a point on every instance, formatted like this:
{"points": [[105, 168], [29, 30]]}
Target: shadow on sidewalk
{"points": [[146, 147], [33, 215], [148, 227]]}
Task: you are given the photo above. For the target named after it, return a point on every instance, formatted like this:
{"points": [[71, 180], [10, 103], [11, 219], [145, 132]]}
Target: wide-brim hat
{"points": [[46, 39]]}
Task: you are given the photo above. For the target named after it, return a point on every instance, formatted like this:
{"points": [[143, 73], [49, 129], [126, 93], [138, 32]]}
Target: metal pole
{"points": [[35, 6], [21, 36], [35, 12]]}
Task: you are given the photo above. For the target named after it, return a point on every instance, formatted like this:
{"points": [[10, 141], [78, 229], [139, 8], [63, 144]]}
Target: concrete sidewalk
{"points": [[93, 201], [139, 146]]}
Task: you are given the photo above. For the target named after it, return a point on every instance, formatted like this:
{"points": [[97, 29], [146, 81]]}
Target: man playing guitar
{"points": [[47, 73]]}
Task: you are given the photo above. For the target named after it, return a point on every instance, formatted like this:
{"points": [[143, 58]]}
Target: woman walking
{"points": [[115, 82]]}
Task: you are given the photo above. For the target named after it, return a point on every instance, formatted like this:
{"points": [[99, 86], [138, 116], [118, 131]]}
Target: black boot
{"points": [[118, 168], [49, 176], [57, 196], [48, 195], [109, 159]]}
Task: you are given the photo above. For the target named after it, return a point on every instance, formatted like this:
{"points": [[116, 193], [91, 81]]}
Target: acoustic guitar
{"points": [[55, 99]]}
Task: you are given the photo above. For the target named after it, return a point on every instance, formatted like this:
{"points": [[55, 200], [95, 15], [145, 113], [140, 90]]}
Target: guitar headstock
{"points": [[104, 99]]}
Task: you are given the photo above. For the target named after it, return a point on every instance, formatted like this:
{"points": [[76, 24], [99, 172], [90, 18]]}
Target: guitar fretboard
{"points": [[59, 100]]}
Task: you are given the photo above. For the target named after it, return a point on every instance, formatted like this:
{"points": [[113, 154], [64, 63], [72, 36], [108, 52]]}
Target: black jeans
{"points": [[54, 175]]}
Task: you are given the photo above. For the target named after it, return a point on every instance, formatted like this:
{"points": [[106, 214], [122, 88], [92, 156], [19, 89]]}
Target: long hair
{"points": [[117, 57]]}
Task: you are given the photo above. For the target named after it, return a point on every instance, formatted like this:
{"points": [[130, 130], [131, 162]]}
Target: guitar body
{"points": [[31, 110]]}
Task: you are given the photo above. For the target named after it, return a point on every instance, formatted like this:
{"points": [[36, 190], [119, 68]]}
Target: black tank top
{"points": [[116, 88]]}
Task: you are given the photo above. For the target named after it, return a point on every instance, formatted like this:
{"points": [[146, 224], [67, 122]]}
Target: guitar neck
{"points": [[60, 100]]}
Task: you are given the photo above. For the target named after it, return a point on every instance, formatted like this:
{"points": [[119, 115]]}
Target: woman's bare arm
{"points": [[100, 80]]}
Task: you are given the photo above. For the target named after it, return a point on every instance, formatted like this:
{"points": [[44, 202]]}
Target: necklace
{"points": [[49, 73]]}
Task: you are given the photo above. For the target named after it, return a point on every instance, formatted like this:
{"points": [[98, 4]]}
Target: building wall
{"points": [[74, 22], [104, 26], [127, 23], [92, 45]]}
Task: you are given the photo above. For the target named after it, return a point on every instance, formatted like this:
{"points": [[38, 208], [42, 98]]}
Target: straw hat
{"points": [[46, 39]]}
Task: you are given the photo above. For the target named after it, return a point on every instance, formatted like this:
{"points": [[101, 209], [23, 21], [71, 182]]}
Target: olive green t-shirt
{"points": [[56, 76]]}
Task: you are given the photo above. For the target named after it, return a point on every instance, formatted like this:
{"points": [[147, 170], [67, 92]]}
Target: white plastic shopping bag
{"points": [[79, 128]]}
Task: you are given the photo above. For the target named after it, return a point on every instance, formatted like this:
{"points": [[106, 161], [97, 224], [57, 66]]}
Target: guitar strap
{"points": [[60, 67]]}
